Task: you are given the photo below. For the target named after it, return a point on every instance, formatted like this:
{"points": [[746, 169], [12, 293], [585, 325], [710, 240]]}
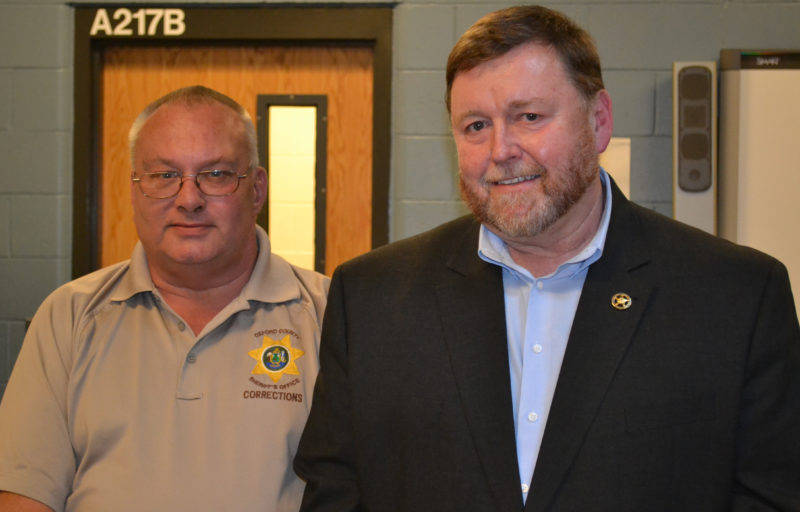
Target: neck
{"points": [[196, 298], [542, 254]]}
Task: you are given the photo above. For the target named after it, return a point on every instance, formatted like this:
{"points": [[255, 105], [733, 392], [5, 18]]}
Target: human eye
{"points": [[217, 182], [162, 175], [217, 174], [476, 126], [530, 117]]}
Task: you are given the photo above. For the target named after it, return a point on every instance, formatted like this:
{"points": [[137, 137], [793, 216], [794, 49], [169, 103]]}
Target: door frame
{"points": [[223, 24]]}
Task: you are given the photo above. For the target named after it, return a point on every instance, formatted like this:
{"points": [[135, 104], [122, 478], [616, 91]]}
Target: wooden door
{"points": [[134, 76]]}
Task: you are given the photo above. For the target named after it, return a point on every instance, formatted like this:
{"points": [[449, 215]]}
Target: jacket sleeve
{"points": [[767, 471], [326, 454]]}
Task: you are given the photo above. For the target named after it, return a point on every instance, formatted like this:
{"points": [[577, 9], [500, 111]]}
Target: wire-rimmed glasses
{"points": [[166, 184]]}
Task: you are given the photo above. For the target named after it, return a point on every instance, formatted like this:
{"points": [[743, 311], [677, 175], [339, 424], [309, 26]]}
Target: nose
{"points": [[505, 145], [189, 197]]}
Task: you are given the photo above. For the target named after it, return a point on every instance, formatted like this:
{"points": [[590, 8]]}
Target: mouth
{"points": [[189, 227], [518, 179]]}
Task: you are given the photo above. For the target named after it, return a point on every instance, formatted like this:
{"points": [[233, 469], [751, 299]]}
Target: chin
{"points": [[190, 257]]}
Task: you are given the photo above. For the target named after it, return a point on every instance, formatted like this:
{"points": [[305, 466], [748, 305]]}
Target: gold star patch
{"points": [[276, 358]]}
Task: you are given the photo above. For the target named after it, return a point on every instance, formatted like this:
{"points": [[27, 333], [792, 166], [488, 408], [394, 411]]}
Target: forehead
{"points": [[201, 128], [528, 70], [197, 117]]}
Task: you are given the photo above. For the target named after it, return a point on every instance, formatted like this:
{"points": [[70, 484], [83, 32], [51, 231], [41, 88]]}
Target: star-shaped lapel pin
{"points": [[621, 301]]}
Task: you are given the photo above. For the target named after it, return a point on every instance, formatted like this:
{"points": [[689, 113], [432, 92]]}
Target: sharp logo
{"points": [[768, 61]]}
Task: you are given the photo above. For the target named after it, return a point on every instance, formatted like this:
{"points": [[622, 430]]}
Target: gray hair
{"points": [[195, 95]]}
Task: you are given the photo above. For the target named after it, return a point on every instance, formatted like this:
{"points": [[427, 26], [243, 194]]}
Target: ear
{"points": [[602, 119], [260, 187]]}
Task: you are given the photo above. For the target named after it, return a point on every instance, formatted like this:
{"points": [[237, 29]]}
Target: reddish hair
{"points": [[501, 31]]}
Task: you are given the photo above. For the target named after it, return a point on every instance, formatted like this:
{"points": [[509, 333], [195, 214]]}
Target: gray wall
{"points": [[638, 41]]}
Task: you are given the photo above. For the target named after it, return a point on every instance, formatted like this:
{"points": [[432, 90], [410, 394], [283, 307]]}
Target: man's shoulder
{"points": [[408, 267], [276, 280], [88, 291], [89, 285], [315, 283], [276, 276], [424, 248], [688, 245], [74, 302]]}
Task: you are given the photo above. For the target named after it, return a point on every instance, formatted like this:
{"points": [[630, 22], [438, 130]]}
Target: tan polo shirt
{"points": [[114, 404]]}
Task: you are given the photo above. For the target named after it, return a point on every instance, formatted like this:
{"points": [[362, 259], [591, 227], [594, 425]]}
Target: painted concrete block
{"points": [[39, 226], [663, 125], [6, 98], [633, 97], [652, 36], [37, 162], [42, 99], [5, 226], [423, 36], [425, 168], [32, 278], [760, 25], [40, 35], [413, 217], [5, 353], [651, 169], [419, 107]]}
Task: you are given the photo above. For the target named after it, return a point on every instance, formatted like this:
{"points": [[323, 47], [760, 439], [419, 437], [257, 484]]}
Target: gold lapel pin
{"points": [[621, 301]]}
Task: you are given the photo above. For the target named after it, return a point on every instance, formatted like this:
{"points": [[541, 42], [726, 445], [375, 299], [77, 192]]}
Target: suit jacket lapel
{"points": [[471, 304], [598, 340]]}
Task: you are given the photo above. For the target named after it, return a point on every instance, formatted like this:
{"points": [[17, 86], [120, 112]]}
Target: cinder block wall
{"points": [[638, 41]]}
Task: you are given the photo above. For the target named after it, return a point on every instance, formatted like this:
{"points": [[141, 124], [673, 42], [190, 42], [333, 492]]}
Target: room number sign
{"points": [[140, 22]]}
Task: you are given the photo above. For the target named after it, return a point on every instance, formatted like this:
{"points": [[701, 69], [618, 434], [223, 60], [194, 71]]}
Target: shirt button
{"points": [[532, 417], [524, 488], [191, 358], [181, 326], [537, 348], [539, 285]]}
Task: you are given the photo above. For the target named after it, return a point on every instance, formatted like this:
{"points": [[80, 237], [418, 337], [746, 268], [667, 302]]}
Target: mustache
{"points": [[513, 172]]}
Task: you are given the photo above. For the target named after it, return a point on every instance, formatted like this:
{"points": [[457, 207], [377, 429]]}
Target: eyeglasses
{"points": [[165, 184]]}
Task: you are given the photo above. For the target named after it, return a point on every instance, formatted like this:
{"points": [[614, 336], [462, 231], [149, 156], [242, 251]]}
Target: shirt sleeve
{"points": [[36, 455]]}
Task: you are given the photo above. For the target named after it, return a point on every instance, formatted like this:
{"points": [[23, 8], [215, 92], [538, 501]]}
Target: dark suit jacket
{"points": [[687, 401]]}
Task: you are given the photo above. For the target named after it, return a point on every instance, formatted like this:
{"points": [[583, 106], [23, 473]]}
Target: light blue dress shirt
{"points": [[539, 314]]}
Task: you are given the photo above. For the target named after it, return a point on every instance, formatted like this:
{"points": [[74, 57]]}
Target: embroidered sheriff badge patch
{"points": [[276, 358]]}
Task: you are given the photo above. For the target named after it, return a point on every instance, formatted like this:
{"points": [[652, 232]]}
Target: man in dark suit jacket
{"points": [[665, 362]]}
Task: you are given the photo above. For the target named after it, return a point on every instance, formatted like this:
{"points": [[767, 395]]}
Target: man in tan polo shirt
{"points": [[181, 378]]}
